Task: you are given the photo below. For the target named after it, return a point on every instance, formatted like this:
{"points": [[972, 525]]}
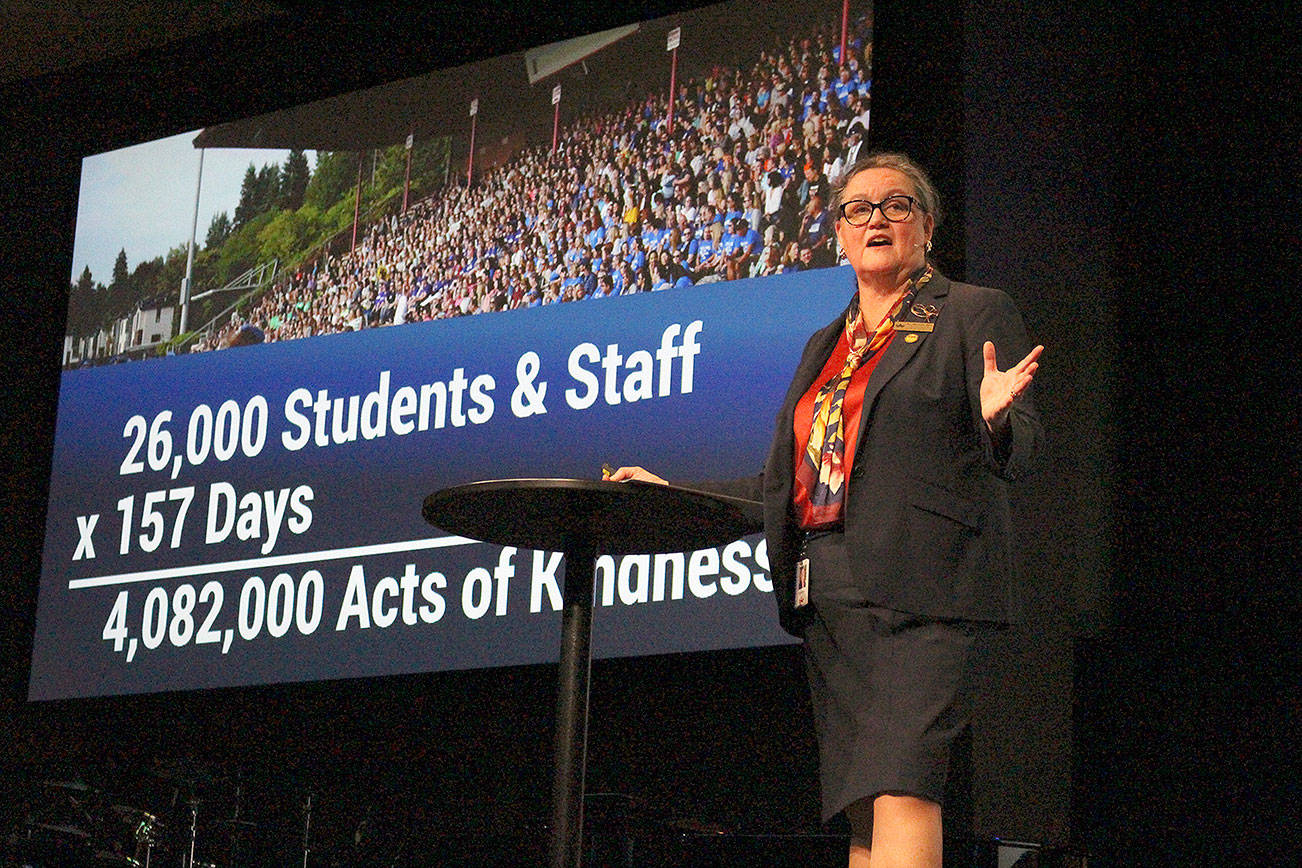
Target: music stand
{"points": [[584, 518]]}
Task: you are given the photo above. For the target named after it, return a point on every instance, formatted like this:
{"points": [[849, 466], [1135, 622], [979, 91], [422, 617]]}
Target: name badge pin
{"points": [[925, 312], [906, 326]]}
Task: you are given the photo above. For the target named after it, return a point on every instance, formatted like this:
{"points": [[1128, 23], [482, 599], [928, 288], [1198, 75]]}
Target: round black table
{"points": [[584, 518]]}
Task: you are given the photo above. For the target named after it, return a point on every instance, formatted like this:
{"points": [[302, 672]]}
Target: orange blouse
{"points": [[851, 411]]}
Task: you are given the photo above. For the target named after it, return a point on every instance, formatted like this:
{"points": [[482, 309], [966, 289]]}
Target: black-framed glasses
{"points": [[896, 209]]}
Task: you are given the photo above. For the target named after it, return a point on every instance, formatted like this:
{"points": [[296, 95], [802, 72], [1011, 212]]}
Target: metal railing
{"points": [[250, 282]]}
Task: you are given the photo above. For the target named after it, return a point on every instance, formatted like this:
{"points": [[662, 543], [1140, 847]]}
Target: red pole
{"points": [[845, 27], [406, 178], [556, 118], [470, 163], [357, 200], [673, 80]]}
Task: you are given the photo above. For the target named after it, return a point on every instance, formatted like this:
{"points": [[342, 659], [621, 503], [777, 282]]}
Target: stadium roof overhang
{"points": [[510, 88], [605, 69]]}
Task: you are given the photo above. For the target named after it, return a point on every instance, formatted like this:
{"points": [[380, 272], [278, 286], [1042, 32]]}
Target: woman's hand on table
{"points": [[631, 474]]}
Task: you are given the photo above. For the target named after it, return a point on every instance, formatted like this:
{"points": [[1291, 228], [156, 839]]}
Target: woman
{"points": [[886, 512], [661, 276]]}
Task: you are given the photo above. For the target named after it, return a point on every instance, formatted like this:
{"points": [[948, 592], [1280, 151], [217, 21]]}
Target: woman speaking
{"points": [[886, 510]]}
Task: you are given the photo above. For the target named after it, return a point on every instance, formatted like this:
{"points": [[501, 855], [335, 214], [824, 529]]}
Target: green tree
{"points": [[86, 283], [83, 314], [335, 175], [288, 235], [259, 193], [246, 209], [390, 168], [171, 275], [294, 179], [145, 281], [267, 195], [337, 219], [431, 164], [117, 297], [240, 252], [218, 231], [121, 273]]}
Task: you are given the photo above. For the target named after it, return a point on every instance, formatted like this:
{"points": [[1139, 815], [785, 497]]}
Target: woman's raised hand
{"points": [[999, 389]]}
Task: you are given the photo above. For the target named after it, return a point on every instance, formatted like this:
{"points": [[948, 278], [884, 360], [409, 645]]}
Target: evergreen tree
{"points": [[294, 178], [431, 164], [121, 274], [83, 317], [335, 175], [218, 231], [390, 167], [146, 282], [171, 274], [246, 210], [267, 196], [117, 299]]}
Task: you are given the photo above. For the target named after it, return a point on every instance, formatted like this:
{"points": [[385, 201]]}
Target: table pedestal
{"points": [[584, 518], [572, 708]]}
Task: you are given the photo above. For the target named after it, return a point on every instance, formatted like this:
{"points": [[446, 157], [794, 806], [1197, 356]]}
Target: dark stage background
{"points": [[1145, 702]]}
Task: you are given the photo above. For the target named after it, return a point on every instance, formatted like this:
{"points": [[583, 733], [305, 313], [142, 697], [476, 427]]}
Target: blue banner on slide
{"points": [[252, 515]]}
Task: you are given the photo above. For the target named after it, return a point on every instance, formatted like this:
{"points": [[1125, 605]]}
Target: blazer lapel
{"points": [[820, 348], [901, 349], [811, 364]]}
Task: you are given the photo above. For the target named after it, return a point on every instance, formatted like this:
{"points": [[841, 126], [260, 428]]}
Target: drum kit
{"points": [[196, 818], [70, 823]]}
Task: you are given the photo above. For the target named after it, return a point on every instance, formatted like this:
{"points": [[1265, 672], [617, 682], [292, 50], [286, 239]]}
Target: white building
{"points": [[79, 349], [149, 325]]}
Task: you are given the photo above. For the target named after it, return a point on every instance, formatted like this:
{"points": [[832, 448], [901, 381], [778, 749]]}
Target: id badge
{"points": [[802, 582]]}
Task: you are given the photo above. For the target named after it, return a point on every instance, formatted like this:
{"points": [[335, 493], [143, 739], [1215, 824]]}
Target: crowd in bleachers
{"points": [[739, 188]]}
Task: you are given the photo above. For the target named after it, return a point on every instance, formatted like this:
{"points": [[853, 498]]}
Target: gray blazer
{"points": [[926, 509]]}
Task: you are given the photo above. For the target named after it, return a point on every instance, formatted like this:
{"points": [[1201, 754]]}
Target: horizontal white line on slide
{"points": [[270, 561]]}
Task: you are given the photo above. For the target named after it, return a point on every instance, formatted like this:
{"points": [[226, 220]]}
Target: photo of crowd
{"points": [[738, 188]]}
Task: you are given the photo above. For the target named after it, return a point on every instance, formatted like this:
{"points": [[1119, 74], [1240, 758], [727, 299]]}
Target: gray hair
{"points": [[923, 190]]}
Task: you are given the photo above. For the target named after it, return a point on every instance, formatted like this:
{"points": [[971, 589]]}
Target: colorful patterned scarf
{"points": [[822, 468]]}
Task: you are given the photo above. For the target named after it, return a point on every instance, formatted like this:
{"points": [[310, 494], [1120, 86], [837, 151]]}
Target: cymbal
{"points": [[697, 827], [77, 786], [187, 771], [135, 815], [61, 829]]}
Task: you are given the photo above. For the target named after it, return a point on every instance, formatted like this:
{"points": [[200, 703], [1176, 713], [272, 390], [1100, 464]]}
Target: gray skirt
{"points": [[891, 690]]}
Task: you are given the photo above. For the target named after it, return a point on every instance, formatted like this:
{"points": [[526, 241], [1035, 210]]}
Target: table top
{"points": [[615, 518]]}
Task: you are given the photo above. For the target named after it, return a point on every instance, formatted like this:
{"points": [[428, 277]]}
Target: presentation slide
{"points": [[239, 465], [253, 515]]}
